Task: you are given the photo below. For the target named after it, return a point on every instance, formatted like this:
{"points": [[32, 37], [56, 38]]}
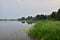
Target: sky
{"points": [[24, 8]]}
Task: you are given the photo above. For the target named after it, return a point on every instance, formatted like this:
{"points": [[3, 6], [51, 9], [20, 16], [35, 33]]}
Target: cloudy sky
{"points": [[24, 8]]}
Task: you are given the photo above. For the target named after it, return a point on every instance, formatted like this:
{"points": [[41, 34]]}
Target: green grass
{"points": [[45, 30]]}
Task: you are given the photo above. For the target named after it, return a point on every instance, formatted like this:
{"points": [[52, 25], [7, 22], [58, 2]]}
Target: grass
{"points": [[45, 30]]}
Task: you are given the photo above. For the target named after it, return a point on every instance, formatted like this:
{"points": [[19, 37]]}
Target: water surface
{"points": [[13, 30]]}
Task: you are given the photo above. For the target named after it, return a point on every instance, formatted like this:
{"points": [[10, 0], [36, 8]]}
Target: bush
{"points": [[45, 30]]}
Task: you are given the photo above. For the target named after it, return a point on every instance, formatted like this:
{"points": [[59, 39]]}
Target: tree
{"points": [[29, 18], [53, 15], [37, 17], [23, 18], [19, 19], [58, 15], [41, 17]]}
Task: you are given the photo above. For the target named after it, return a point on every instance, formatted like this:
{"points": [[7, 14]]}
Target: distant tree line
{"points": [[52, 16], [55, 15], [7, 19]]}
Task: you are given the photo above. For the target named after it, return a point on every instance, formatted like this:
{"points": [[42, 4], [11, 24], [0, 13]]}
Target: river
{"points": [[14, 30]]}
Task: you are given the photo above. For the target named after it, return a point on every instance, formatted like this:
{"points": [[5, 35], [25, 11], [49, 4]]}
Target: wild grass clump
{"points": [[45, 30]]}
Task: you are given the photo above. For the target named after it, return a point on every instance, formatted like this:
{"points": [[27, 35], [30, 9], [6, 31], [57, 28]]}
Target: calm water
{"points": [[13, 30]]}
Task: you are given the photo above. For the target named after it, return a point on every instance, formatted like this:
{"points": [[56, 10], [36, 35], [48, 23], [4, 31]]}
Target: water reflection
{"points": [[26, 22], [13, 30], [23, 22]]}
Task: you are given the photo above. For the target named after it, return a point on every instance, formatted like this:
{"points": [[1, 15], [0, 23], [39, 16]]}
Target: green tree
{"points": [[29, 18], [37, 17], [23, 18], [41, 17], [58, 15], [53, 15], [19, 19]]}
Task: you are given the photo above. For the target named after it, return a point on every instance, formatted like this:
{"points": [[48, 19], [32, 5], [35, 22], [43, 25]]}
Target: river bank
{"points": [[45, 30]]}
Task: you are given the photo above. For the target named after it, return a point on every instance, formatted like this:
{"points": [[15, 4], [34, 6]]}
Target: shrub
{"points": [[45, 30]]}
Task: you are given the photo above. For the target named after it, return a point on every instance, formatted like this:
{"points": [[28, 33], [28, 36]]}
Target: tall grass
{"points": [[45, 30]]}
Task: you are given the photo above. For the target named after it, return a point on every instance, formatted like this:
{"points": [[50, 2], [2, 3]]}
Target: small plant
{"points": [[45, 30]]}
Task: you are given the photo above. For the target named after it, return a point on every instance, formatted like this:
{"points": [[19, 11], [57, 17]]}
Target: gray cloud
{"points": [[19, 8]]}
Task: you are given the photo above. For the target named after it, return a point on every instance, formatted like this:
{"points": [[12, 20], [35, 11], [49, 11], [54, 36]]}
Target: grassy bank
{"points": [[45, 30]]}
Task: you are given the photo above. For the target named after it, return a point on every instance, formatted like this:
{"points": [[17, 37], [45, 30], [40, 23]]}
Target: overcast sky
{"points": [[24, 8]]}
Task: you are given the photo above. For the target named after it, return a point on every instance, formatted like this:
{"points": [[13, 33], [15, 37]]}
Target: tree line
{"points": [[53, 16]]}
